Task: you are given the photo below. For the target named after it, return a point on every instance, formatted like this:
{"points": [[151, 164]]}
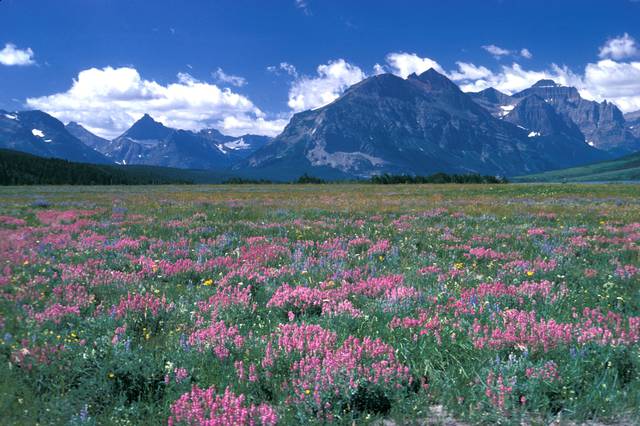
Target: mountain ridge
{"points": [[419, 125]]}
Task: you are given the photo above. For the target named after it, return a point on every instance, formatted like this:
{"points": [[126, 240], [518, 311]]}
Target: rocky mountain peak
{"points": [[546, 83], [434, 81], [146, 128]]}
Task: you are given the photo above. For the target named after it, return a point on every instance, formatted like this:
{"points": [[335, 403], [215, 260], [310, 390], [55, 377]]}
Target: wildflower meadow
{"points": [[317, 304]]}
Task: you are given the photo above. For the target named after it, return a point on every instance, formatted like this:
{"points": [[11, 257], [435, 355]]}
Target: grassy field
{"points": [[623, 169], [313, 304]]}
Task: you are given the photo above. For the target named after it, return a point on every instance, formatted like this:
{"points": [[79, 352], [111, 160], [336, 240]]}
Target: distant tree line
{"points": [[305, 178], [243, 181], [387, 179], [18, 168]]}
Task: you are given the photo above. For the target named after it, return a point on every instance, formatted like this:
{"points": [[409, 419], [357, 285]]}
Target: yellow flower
{"points": [[458, 265], [111, 375], [208, 282], [530, 273], [381, 257], [307, 391]]}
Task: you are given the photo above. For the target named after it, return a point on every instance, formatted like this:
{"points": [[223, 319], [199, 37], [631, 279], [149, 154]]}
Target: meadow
{"points": [[315, 304]]}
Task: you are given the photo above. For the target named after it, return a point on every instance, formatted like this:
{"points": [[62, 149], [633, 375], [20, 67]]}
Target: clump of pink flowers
{"points": [[547, 372], [218, 337], [498, 390], [146, 304], [379, 247], [204, 407], [55, 313], [340, 371]]}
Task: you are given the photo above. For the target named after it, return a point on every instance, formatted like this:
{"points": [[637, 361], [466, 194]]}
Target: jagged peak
{"points": [[430, 75], [147, 128]]}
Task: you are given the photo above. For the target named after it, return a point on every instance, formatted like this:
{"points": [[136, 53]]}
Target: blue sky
{"points": [[248, 65]]}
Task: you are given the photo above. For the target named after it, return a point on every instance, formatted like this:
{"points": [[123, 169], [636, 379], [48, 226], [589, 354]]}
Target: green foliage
{"points": [[305, 178], [387, 179], [17, 168]]}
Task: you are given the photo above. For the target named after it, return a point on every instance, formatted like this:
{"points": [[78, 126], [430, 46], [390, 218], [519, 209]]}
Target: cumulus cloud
{"points": [[379, 69], [331, 80], [525, 53], [619, 48], [241, 125], [467, 71], [108, 100], [234, 80], [285, 67], [514, 78], [403, 64], [618, 82], [11, 55], [496, 51], [289, 69], [615, 81]]}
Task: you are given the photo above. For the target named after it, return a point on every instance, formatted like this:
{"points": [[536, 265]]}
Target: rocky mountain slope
{"points": [[419, 125], [39, 133]]}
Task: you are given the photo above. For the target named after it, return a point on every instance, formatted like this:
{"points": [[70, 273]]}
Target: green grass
{"points": [[622, 169]]}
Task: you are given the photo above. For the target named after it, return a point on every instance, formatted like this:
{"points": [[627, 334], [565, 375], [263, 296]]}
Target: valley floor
{"points": [[307, 304]]}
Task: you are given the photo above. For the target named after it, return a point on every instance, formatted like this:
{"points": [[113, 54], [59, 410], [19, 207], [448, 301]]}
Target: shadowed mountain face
{"points": [[602, 124], [421, 125], [86, 137], [633, 123], [554, 134], [497, 103], [39, 133], [148, 142]]}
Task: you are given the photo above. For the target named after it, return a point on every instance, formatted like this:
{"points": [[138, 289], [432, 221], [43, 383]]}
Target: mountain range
{"points": [[384, 124], [39, 133]]}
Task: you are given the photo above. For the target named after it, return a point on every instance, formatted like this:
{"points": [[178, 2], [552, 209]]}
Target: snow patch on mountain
{"points": [[237, 144], [345, 161]]}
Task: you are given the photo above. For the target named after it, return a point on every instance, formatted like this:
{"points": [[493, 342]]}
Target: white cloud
{"points": [[241, 125], [467, 71], [284, 66], [618, 82], [11, 55], [379, 69], [234, 80], [403, 64], [619, 48], [514, 78], [107, 101], [304, 6], [331, 80], [496, 51], [289, 69]]}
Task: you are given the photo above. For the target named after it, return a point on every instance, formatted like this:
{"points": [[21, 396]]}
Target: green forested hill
{"points": [[18, 168]]}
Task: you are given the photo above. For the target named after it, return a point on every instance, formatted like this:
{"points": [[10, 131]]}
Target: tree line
{"points": [[19, 168]]}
